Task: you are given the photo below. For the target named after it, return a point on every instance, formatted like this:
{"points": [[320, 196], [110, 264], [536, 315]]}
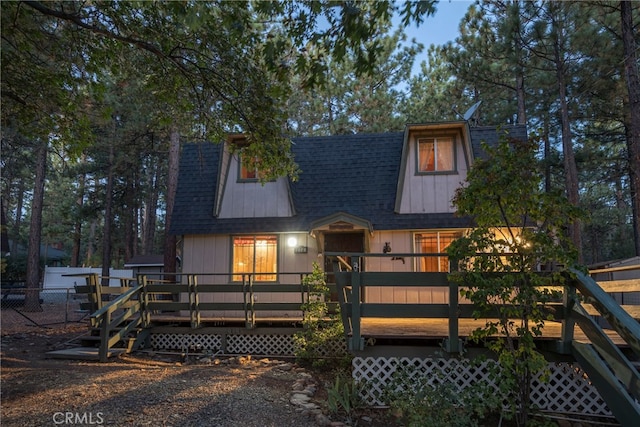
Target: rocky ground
{"points": [[147, 389]]}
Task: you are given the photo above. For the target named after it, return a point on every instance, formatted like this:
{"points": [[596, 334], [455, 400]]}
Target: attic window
{"points": [[247, 173], [436, 155]]}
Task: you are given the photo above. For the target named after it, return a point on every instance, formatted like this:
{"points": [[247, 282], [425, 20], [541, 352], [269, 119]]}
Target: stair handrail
{"points": [[621, 321], [102, 319], [608, 368]]}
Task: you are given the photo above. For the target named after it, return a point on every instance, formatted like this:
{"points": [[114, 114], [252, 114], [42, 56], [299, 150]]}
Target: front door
{"points": [[341, 242]]}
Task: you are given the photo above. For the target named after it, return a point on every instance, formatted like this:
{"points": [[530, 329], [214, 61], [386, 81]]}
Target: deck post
{"points": [[568, 323], [144, 301], [103, 351], [356, 342], [247, 294], [194, 300], [95, 289], [452, 343]]}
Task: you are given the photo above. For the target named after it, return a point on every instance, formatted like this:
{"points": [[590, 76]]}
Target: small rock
{"points": [[299, 399], [285, 367], [306, 392], [336, 424], [298, 385], [309, 406], [322, 420]]}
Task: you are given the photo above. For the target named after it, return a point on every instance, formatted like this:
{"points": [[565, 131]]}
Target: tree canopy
{"points": [[106, 89]]}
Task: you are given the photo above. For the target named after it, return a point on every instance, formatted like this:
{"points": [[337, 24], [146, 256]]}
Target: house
{"points": [[374, 193]]}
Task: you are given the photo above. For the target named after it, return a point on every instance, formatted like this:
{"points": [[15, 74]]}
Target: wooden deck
{"points": [[386, 328], [374, 327]]}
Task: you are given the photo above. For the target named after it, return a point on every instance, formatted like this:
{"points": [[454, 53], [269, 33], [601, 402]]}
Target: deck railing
{"points": [[613, 373], [117, 312], [352, 285], [187, 297]]}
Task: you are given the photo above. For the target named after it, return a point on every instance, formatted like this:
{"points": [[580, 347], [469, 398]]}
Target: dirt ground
{"points": [[154, 390]]}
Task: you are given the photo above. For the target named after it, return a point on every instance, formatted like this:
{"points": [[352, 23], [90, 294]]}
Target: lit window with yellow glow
{"points": [[435, 155], [257, 255], [434, 243]]}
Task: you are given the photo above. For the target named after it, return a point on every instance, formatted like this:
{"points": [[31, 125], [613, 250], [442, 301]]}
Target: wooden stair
{"points": [[84, 353], [88, 346]]}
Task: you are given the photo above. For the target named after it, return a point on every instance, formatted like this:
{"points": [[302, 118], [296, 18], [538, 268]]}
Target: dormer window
{"points": [[247, 173], [436, 155]]}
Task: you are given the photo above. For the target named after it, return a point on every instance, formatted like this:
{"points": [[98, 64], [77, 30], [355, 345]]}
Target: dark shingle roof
{"points": [[354, 174], [491, 135]]}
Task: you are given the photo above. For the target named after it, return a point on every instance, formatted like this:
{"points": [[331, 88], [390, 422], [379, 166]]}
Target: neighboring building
{"points": [[355, 193], [151, 265]]}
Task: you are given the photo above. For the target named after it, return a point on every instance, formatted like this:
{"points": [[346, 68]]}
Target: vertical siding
{"points": [[400, 242], [254, 199], [431, 193], [211, 254]]}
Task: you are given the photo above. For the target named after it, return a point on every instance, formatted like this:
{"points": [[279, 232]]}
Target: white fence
{"points": [[58, 277]]}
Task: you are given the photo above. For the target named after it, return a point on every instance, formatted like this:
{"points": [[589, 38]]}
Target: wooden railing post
{"points": [[453, 345], [103, 351], [145, 315], [194, 300], [568, 322], [96, 291], [304, 290], [247, 293], [356, 342]]}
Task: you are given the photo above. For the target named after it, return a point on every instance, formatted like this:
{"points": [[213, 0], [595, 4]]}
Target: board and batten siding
{"points": [[400, 242], [431, 193], [204, 254], [252, 199]]}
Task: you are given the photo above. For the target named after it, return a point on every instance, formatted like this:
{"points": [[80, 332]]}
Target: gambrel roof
{"points": [[352, 175]]}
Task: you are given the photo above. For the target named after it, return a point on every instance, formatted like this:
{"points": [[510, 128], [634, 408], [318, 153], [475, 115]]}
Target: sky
{"points": [[439, 28]]}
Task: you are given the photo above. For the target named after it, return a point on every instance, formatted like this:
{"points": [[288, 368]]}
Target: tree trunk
{"points": [[32, 294], [150, 207], [547, 153], [90, 246], [130, 229], [570, 169], [172, 185], [518, 54], [77, 229], [108, 208], [4, 233], [18, 219], [633, 134]]}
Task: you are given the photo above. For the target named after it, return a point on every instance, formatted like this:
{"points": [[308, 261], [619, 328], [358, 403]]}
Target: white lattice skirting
{"points": [[567, 390], [255, 344]]}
